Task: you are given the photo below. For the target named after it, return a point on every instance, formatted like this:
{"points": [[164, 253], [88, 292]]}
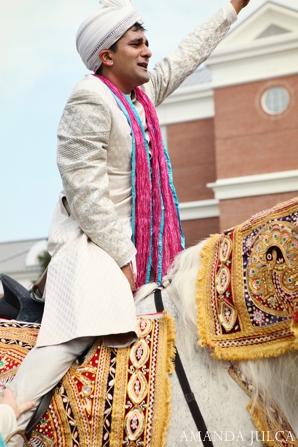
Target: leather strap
{"points": [[45, 402], [39, 412], [158, 300], [184, 383]]}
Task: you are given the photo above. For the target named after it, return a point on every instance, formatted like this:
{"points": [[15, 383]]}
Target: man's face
{"points": [[130, 61]]}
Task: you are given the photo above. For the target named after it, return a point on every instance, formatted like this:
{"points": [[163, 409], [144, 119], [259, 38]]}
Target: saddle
{"points": [[115, 397], [20, 304]]}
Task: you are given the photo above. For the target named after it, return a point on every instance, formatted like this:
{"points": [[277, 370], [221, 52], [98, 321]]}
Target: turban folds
{"points": [[103, 28]]}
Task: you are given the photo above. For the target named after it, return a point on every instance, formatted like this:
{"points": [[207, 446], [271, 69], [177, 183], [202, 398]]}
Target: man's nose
{"points": [[147, 52]]}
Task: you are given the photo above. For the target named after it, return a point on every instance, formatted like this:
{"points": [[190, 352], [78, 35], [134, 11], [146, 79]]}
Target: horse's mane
{"points": [[276, 379], [183, 274]]}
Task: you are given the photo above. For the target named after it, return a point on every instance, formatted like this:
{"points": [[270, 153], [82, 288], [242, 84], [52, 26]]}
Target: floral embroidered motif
{"points": [[111, 397], [248, 286]]}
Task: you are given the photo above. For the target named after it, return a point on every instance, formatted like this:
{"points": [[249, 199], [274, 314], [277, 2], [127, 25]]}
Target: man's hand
{"points": [[9, 399], [127, 270], [239, 4]]}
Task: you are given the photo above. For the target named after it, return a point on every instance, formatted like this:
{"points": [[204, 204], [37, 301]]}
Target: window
{"points": [[275, 100]]}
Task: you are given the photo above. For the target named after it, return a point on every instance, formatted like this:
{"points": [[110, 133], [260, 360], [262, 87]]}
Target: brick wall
{"points": [[196, 230], [235, 211], [248, 141], [191, 149]]}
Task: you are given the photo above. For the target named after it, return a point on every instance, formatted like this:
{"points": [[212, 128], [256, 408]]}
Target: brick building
{"points": [[232, 127]]}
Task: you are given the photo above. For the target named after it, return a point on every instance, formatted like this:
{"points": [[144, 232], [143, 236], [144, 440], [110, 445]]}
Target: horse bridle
{"points": [[184, 383]]}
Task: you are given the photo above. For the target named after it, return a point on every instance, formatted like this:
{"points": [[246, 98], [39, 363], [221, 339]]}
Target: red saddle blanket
{"points": [[116, 397]]}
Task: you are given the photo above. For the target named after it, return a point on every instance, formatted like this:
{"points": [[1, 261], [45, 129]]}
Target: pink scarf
{"points": [[157, 232]]}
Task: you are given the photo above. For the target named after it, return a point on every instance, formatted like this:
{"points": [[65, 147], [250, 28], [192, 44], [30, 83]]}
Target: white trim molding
{"points": [[255, 185], [190, 103], [243, 56], [201, 209]]}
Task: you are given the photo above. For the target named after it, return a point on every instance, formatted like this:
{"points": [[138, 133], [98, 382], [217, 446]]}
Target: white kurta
{"points": [[86, 292]]}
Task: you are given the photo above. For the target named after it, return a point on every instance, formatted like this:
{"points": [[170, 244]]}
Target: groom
{"points": [[116, 225]]}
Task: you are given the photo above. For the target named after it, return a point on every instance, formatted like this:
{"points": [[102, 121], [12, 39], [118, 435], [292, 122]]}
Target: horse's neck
{"points": [[145, 302]]}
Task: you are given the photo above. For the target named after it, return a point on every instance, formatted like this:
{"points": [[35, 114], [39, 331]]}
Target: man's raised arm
{"points": [[193, 50]]}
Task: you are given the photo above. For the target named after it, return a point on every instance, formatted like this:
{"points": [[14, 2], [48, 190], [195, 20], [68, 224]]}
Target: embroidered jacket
{"points": [[90, 236]]}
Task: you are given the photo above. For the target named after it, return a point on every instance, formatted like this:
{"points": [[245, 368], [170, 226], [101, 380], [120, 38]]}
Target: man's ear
{"points": [[105, 57]]}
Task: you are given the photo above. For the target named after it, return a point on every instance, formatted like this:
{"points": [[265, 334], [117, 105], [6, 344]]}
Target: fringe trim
{"points": [[165, 411], [259, 419], [202, 290], [263, 417], [255, 352], [171, 348], [205, 319], [294, 328]]}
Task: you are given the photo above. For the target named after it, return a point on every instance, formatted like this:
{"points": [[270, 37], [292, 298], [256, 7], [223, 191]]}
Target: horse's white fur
{"points": [[222, 402]]}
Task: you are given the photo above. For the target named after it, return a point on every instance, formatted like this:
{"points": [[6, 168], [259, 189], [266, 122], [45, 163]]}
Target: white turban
{"points": [[103, 28]]}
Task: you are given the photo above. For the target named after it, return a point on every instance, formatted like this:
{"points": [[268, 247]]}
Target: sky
{"points": [[38, 71]]}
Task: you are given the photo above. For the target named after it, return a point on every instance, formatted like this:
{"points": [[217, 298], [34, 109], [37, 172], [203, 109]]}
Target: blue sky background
{"points": [[38, 70]]}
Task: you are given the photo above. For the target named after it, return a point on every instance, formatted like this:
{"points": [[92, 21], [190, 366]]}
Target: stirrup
{"points": [[39, 412], [20, 433]]}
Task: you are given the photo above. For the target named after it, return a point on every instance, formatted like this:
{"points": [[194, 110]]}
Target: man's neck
{"points": [[122, 86]]}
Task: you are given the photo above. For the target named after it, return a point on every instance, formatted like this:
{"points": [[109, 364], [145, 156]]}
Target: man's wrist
{"points": [[229, 13], [125, 265]]}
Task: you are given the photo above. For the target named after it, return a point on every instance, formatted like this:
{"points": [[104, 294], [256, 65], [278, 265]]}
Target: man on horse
{"points": [[116, 225]]}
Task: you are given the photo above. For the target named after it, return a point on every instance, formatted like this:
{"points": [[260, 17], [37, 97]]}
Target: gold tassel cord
{"points": [[203, 287]]}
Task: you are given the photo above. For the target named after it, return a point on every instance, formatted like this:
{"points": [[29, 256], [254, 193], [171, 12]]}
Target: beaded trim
{"points": [[117, 397], [248, 289]]}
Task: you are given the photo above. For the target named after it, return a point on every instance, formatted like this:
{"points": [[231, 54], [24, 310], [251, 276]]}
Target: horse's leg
{"points": [[40, 371]]}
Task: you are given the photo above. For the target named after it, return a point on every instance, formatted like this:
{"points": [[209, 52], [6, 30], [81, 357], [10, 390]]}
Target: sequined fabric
{"points": [[116, 397], [248, 289]]}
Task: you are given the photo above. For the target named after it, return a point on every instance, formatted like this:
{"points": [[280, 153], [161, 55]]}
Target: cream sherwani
{"points": [[87, 294], [90, 237]]}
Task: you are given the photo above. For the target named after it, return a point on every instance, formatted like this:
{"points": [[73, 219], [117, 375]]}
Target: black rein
{"points": [[184, 383]]}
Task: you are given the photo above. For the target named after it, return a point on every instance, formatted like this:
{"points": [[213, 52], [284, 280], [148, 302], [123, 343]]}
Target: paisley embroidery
{"points": [[248, 287]]}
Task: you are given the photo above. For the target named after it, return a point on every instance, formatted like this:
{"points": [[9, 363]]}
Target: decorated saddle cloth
{"points": [[116, 397], [248, 287]]}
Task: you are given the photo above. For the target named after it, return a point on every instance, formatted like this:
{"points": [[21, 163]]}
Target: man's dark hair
{"points": [[136, 27]]}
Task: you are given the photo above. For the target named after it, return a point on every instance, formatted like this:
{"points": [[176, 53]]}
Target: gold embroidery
{"points": [[248, 287]]}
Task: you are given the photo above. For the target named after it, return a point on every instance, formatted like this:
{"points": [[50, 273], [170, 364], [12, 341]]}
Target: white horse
{"points": [[222, 402]]}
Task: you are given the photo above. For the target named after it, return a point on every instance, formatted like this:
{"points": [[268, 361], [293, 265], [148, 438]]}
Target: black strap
{"points": [[39, 412], [192, 403], [45, 402], [158, 300], [188, 394]]}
